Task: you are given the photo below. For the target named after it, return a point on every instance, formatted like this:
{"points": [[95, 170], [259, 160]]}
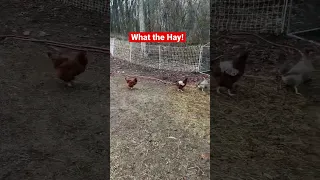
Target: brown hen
{"points": [[229, 72], [68, 65], [131, 82]]}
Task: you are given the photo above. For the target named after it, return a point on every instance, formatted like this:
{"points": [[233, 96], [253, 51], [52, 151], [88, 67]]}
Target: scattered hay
{"points": [[193, 108], [148, 140]]}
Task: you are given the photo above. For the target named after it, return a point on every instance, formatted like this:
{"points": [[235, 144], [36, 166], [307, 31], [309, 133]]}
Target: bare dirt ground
{"points": [[265, 132], [49, 131], [157, 132]]}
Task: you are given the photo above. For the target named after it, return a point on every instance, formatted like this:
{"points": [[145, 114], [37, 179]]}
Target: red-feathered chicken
{"points": [[182, 84], [68, 65], [131, 82], [229, 72]]}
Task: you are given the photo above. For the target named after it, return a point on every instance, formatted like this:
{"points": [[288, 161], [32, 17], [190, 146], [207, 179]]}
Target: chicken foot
{"points": [[296, 90], [229, 91], [202, 89], [70, 84]]}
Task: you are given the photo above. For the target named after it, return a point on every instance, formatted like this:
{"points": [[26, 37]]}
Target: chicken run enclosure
{"points": [[50, 131]]}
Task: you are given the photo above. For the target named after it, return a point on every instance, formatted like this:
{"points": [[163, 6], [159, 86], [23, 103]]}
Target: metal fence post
{"points": [[159, 57], [200, 58], [112, 40], [284, 15], [130, 51], [289, 17]]}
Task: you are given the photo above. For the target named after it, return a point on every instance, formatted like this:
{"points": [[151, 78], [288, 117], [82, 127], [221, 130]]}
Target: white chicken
{"points": [[205, 84], [298, 74]]}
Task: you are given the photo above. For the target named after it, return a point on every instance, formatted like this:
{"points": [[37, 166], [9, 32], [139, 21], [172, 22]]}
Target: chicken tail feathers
{"points": [[185, 80], [240, 62]]}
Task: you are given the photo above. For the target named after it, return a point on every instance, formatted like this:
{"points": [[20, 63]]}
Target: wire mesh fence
{"points": [[100, 6], [305, 15], [187, 59], [304, 20], [204, 59], [258, 16]]}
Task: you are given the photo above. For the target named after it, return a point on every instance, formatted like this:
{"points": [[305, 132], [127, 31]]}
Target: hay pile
{"points": [[192, 107]]}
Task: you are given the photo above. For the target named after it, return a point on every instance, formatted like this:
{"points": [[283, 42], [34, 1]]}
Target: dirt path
{"points": [[148, 139]]}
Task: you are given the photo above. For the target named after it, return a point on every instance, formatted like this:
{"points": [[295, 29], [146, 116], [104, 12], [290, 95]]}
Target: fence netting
{"points": [[187, 58], [259, 16]]}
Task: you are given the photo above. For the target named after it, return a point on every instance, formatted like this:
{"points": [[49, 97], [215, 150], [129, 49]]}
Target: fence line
{"points": [[258, 16], [187, 59], [303, 21]]}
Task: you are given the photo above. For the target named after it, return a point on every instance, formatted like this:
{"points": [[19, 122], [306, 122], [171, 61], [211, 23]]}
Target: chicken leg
{"points": [[69, 84], [296, 90]]}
